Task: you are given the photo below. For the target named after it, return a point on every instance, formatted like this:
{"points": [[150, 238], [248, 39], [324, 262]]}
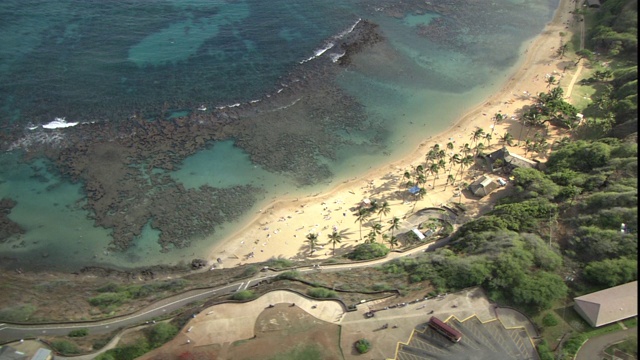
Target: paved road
{"points": [[593, 349], [14, 332]]}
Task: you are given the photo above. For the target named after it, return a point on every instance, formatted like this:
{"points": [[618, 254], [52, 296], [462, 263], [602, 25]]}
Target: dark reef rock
{"points": [[363, 35], [198, 264], [124, 164], [8, 227]]}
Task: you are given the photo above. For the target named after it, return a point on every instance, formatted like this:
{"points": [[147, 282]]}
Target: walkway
{"points": [[593, 349]]}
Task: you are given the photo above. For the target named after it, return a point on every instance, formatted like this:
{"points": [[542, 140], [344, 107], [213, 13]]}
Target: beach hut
{"points": [[509, 160], [483, 186], [419, 234]]}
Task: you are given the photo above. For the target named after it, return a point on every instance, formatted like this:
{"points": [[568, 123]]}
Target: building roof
{"points": [[483, 186], [509, 158], [42, 354], [9, 353], [609, 305]]}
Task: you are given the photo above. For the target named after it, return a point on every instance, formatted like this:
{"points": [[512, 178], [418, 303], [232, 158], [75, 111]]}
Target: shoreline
{"points": [[280, 228]]}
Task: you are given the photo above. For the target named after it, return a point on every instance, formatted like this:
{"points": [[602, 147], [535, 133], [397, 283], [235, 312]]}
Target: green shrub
{"points": [[160, 334], [280, 263], [129, 352], [288, 275], [544, 351], [65, 347], [243, 295], [363, 346], [250, 271], [368, 251], [109, 287], [571, 346], [549, 320], [78, 333], [321, 293], [100, 343], [106, 299]]}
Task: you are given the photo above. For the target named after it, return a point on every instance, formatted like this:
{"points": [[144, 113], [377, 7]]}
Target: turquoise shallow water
{"points": [[102, 60]]}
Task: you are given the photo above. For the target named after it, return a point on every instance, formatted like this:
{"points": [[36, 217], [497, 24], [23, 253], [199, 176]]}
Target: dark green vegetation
{"points": [[614, 35], [154, 337], [629, 346], [362, 346], [368, 251], [321, 293], [112, 295], [243, 295], [65, 347], [78, 333]]}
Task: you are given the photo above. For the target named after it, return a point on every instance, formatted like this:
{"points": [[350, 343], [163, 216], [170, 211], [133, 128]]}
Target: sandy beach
{"points": [[280, 229]]}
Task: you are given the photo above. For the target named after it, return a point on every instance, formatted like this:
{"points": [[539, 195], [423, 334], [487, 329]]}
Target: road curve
{"points": [[14, 332]]}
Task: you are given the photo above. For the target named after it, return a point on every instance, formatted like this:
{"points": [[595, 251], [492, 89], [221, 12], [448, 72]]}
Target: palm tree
{"points": [[434, 168], [395, 224], [479, 149], [488, 137], [419, 170], [450, 146], [477, 134], [528, 146], [370, 238], [551, 80], [422, 178], [392, 240], [466, 149], [421, 193], [453, 159], [407, 175], [464, 162], [431, 155], [373, 206], [313, 240], [542, 147], [384, 209], [376, 229], [450, 179], [498, 117], [361, 216], [334, 238], [507, 138]]}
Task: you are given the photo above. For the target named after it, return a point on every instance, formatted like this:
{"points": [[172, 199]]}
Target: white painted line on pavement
{"points": [[240, 287]]}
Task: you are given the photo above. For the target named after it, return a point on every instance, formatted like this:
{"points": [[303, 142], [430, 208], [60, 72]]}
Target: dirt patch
{"points": [[282, 331], [285, 329]]}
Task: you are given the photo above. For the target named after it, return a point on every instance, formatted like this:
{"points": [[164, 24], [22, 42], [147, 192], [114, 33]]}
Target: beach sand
{"points": [[280, 229]]}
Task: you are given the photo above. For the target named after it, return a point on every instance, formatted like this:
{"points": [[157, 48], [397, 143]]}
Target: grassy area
{"points": [[18, 313], [629, 346], [633, 322], [304, 351]]}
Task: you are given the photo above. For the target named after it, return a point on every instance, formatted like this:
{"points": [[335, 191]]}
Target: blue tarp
{"points": [[414, 190]]}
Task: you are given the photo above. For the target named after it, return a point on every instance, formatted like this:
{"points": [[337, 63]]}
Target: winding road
{"points": [[14, 332]]}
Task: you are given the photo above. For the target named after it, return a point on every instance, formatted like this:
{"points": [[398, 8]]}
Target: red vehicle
{"points": [[444, 329]]}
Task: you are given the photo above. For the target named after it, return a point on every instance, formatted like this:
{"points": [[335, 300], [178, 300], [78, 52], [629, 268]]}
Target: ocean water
{"points": [[97, 62]]}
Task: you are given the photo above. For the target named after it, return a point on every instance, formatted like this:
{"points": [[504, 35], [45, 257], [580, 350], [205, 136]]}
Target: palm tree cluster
{"points": [[372, 215]]}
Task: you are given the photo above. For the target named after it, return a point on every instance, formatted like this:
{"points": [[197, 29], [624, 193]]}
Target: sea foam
{"points": [[58, 123]]}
